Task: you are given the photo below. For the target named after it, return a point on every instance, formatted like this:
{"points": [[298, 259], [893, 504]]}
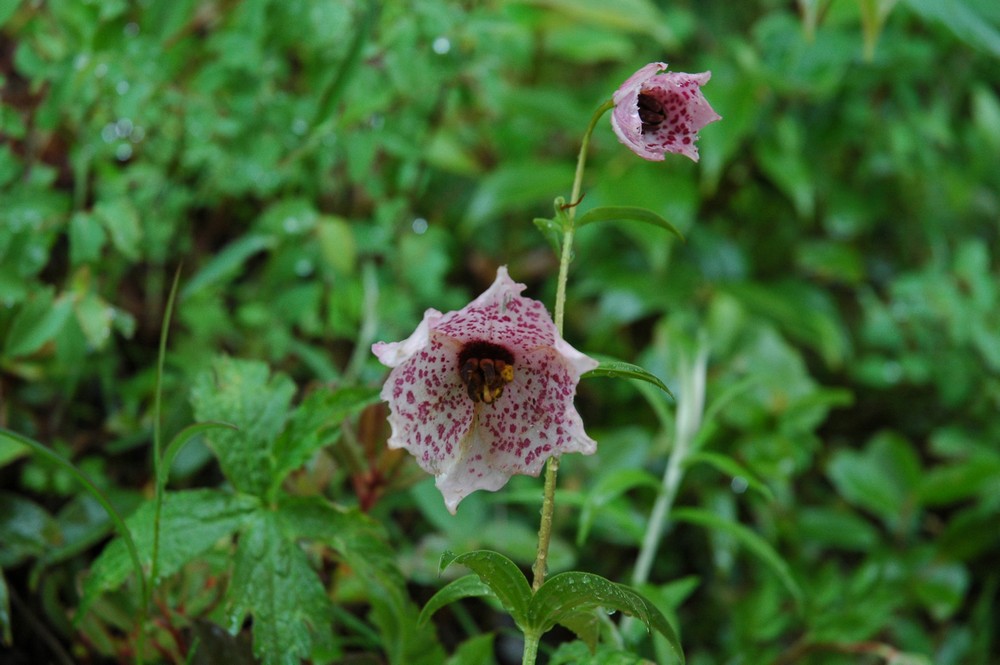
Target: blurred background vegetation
{"points": [[321, 172]]}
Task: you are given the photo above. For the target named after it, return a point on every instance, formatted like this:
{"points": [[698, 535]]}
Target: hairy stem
{"points": [[565, 255]]}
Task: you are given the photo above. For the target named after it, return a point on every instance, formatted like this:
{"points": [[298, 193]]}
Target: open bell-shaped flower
{"points": [[485, 392], [659, 113]]}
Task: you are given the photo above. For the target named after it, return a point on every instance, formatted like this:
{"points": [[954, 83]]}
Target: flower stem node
{"points": [[458, 405]]}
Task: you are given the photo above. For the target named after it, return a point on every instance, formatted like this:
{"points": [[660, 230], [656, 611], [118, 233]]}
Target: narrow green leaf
{"points": [[464, 587], [501, 575], [567, 594], [11, 451], [227, 263], [123, 530], [623, 213], [730, 467], [624, 370], [964, 22], [608, 488], [754, 543]]}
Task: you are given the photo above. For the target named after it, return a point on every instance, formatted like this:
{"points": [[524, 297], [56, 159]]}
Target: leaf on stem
{"points": [[731, 468], [501, 575], [623, 213], [469, 586], [564, 596], [624, 370], [757, 545]]}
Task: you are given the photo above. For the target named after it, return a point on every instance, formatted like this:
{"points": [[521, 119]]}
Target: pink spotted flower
{"points": [[659, 113], [484, 393]]}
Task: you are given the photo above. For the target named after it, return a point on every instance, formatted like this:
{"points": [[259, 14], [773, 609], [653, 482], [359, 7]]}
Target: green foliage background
{"points": [[322, 172]]}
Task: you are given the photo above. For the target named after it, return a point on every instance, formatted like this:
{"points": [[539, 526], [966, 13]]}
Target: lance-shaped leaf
{"points": [[501, 575], [624, 213], [469, 586], [732, 468], [564, 596], [757, 545], [624, 370], [609, 487]]}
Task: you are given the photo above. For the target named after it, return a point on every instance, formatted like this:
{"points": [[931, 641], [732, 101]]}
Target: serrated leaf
{"points": [[273, 581], [577, 653], [361, 544], [730, 467], [609, 487], [38, 321], [191, 523], [314, 424], [624, 370], [469, 586], [501, 575], [754, 543], [626, 213], [567, 594], [243, 393]]}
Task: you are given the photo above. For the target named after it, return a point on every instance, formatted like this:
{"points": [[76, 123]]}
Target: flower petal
{"points": [[677, 105], [472, 445]]}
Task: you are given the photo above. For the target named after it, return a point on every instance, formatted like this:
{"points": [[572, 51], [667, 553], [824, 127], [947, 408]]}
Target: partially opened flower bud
{"points": [[659, 113], [484, 393]]}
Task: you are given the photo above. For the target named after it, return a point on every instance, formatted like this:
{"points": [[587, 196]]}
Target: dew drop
{"points": [[420, 226], [299, 126], [108, 133], [122, 87], [123, 152], [441, 45], [123, 127], [739, 484], [304, 267]]}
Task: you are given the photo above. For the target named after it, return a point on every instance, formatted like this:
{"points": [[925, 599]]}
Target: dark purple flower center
{"points": [[651, 112], [485, 368]]}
